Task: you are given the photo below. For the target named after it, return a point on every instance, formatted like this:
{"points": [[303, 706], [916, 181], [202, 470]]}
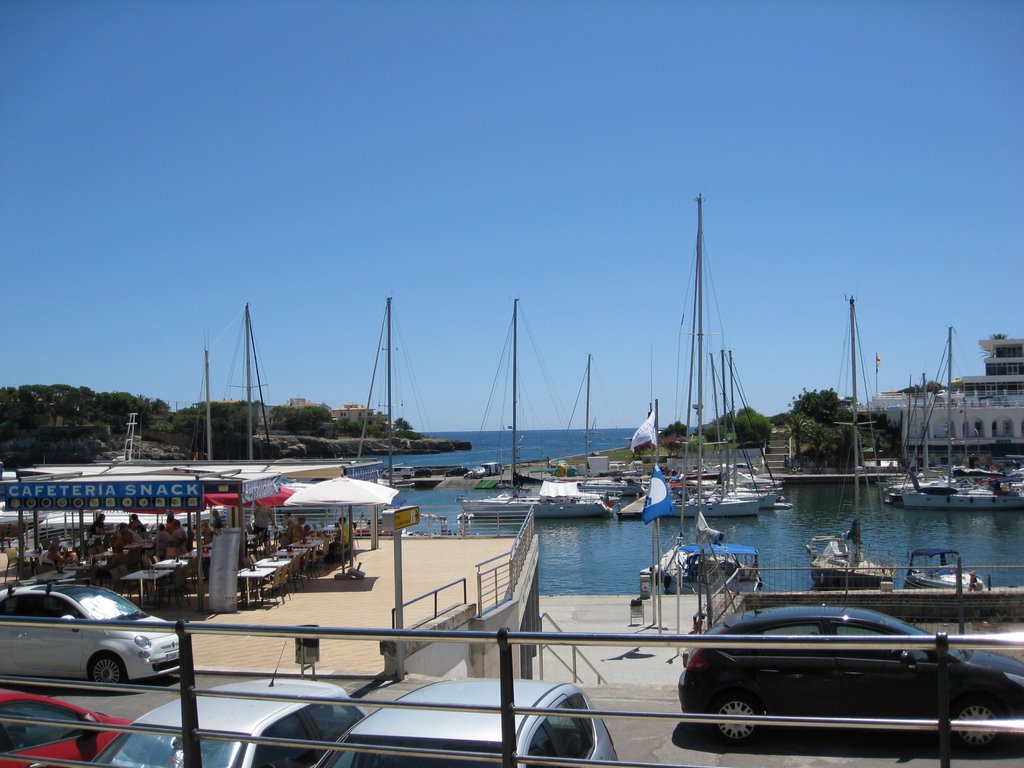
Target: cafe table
{"points": [[253, 577], [152, 575]]}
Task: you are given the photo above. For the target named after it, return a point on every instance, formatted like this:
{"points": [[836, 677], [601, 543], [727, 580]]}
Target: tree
{"points": [[820, 406], [752, 428], [799, 426]]}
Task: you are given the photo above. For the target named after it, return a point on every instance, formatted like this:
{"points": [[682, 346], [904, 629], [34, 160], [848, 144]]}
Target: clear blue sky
{"points": [[162, 164]]}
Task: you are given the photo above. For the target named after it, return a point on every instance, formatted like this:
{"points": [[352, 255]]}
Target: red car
{"points": [[37, 741]]}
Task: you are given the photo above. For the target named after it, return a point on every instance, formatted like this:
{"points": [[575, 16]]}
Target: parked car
{"points": [[548, 735], [831, 682], [37, 742], [325, 721], [105, 656]]}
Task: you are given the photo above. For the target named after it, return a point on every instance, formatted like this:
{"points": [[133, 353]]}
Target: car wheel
{"points": [[975, 708], [737, 704], [107, 668]]}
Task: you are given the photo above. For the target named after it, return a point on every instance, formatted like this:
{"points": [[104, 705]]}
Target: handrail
{"points": [[506, 643], [576, 653], [434, 592]]}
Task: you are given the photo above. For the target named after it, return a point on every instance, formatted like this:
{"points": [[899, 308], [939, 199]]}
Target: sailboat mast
{"points": [[248, 382], [515, 391], [856, 434], [209, 416], [949, 407], [699, 407], [391, 457], [586, 430]]}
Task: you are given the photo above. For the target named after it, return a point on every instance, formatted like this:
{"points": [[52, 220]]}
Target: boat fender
{"points": [[698, 623]]}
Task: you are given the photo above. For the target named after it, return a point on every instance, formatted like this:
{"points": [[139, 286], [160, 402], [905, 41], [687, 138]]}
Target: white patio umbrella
{"points": [[341, 491]]}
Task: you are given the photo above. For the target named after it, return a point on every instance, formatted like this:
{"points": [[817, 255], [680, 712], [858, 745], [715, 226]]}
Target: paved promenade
{"points": [[429, 563]]}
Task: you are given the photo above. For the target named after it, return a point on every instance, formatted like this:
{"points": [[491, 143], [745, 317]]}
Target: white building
{"points": [[983, 414]]}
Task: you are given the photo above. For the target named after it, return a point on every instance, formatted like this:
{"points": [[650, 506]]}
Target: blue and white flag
{"points": [[658, 502]]}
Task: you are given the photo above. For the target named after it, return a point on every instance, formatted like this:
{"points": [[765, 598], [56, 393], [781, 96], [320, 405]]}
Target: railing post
{"points": [[507, 683], [191, 753], [960, 594], [942, 659]]}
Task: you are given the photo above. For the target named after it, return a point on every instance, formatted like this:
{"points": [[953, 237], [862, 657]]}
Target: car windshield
{"points": [[145, 750], [370, 760], [110, 605]]}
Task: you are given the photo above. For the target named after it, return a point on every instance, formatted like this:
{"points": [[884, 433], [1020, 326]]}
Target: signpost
{"points": [[396, 520]]}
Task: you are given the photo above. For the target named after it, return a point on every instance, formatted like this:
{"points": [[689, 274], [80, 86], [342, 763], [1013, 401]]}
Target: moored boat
{"points": [[937, 568]]}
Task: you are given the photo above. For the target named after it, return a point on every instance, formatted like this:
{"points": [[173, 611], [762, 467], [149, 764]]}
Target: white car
{"points": [[321, 721], [553, 734], [103, 656]]}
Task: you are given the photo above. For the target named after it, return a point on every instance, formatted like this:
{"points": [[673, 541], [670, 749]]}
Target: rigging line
{"points": [[579, 395], [502, 365], [544, 371], [373, 379], [259, 386], [417, 394]]}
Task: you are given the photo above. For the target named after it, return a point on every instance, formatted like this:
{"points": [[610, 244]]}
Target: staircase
{"points": [[777, 451]]}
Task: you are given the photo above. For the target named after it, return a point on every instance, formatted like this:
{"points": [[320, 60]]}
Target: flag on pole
{"points": [[645, 435], [878, 361], [658, 502], [705, 533]]}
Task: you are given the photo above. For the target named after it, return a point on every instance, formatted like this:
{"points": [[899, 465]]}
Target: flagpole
{"points": [[657, 525]]}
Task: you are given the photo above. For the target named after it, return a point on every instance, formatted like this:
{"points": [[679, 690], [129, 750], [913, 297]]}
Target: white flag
{"points": [[645, 435]]}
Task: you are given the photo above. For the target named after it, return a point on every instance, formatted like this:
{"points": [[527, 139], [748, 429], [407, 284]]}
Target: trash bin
{"points": [[307, 649], [645, 584]]}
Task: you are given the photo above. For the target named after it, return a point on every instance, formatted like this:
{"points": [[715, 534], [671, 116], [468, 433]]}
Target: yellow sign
{"points": [[406, 516]]}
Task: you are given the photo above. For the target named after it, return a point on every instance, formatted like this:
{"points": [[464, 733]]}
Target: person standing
{"points": [[262, 518]]}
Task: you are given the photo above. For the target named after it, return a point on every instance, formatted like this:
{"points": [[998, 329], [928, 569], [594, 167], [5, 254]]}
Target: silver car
{"points": [[547, 735], [325, 721], [103, 656]]}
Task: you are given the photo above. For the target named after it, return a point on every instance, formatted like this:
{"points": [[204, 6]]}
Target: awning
{"points": [[231, 499]]}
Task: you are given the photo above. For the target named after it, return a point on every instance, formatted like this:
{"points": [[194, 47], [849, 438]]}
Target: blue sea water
{"points": [[605, 556], [534, 445]]}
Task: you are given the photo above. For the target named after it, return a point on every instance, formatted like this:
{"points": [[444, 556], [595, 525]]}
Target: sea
{"points": [[605, 556]]}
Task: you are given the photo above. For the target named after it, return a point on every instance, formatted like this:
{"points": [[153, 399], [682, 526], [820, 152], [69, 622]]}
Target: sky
{"points": [[164, 164]]}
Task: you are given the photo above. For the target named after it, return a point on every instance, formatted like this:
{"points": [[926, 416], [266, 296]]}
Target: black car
{"points": [[833, 682]]}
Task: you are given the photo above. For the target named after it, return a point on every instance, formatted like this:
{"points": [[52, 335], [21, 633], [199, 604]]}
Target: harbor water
{"points": [[605, 556]]}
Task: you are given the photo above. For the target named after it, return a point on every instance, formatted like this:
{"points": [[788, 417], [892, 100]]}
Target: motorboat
{"points": [[936, 568], [834, 565], [691, 566]]}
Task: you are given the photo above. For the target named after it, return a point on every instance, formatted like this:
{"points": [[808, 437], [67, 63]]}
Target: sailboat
{"points": [[555, 499], [968, 494], [834, 563], [720, 504]]}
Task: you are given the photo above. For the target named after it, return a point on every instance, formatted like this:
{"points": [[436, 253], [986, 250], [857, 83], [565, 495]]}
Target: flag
{"points": [[705, 533], [645, 435], [878, 361], [658, 502]]}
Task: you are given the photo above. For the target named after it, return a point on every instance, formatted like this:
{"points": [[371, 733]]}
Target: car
{"points": [[36, 742], [827, 681], [104, 656], [326, 721], [548, 735]]}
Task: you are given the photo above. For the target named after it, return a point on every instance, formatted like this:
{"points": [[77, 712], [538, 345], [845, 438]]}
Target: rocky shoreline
{"points": [[83, 448]]}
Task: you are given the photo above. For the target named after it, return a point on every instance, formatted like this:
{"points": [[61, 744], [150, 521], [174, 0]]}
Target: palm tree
{"points": [[798, 426]]}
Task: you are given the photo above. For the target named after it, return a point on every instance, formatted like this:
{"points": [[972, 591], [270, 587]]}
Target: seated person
{"points": [[119, 557], [206, 533], [52, 558], [163, 540], [99, 525]]}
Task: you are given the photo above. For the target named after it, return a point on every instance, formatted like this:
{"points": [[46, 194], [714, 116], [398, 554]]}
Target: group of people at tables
{"points": [[128, 543]]}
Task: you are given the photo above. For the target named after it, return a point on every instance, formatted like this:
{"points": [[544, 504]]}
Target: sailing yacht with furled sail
{"points": [[835, 563], [555, 499]]}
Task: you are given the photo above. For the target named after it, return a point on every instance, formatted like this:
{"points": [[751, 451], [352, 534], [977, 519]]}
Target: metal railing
{"points": [[496, 585], [507, 643], [433, 593]]}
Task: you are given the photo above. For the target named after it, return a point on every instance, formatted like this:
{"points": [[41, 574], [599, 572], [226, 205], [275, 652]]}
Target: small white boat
{"points": [[935, 568]]}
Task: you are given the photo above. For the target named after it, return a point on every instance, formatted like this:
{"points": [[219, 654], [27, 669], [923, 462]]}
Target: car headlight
{"points": [[143, 642], [1018, 679]]}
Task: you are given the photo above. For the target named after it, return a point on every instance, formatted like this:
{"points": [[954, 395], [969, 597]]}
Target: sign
{"points": [[405, 517], [101, 494]]}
